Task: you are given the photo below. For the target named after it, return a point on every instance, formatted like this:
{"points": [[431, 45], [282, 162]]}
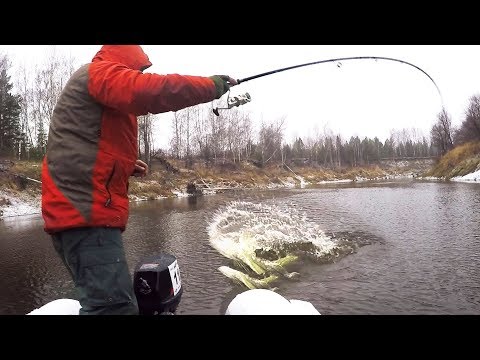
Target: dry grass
{"points": [[312, 174], [365, 173], [31, 169], [149, 189], [460, 161], [15, 184], [162, 183]]}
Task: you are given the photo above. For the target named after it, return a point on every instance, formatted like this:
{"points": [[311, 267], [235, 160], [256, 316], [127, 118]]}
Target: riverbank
{"points": [[20, 194]]}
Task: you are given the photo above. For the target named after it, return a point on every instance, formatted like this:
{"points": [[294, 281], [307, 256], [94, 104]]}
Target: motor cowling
{"points": [[158, 285]]}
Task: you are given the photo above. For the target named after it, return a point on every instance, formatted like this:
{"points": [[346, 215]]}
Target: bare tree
{"points": [[200, 134], [338, 150], [239, 131], [246, 129], [145, 137], [329, 146], [270, 140], [470, 128], [188, 134], [48, 83], [441, 132], [218, 134], [176, 140], [182, 139], [314, 144], [356, 146], [26, 118]]}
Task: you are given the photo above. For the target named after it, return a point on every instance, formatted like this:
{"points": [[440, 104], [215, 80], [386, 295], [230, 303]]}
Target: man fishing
{"points": [[91, 153]]}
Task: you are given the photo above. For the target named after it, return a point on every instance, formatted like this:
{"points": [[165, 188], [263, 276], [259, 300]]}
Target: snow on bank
{"points": [[469, 178], [16, 205], [20, 204], [472, 177]]}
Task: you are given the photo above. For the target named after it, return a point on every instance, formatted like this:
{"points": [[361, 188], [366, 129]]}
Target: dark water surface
{"points": [[418, 253]]}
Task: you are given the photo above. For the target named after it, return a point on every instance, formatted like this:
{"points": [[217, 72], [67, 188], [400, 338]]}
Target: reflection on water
{"points": [[418, 249]]}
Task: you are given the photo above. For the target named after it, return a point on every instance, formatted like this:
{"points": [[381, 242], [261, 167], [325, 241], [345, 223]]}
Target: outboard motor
{"points": [[157, 285]]}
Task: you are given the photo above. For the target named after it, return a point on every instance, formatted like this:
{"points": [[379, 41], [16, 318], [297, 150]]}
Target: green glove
{"points": [[221, 84]]}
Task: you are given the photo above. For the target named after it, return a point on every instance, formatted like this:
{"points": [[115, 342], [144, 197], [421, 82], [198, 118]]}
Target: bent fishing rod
{"points": [[243, 99]]}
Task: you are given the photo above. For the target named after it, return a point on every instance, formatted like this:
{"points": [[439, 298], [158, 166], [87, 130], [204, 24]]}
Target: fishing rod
{"points": [[243, 99]]}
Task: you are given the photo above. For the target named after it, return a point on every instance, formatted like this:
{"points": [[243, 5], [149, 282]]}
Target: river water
{"points": [[410, 247]]}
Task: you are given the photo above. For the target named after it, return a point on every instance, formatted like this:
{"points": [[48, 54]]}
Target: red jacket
{"points": [[92, 141]]}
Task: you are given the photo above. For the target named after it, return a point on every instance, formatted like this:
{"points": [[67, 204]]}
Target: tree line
{"points": [[445, 137], [27, 103]]}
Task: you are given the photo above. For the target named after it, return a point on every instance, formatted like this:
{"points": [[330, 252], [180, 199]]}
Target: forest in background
{"points": [[28, 97]]}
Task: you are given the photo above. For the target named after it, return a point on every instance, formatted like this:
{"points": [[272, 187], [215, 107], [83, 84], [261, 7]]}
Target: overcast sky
{"points": [[356, 97]]}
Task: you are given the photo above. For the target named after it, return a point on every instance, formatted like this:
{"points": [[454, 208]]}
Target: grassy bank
{"points": [[169, 178], [462, 160]]}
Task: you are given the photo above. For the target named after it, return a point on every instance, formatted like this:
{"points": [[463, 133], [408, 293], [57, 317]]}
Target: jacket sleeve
{"points": [[116, 86]]}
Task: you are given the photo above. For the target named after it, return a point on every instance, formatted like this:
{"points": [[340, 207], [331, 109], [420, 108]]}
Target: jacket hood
{"points": [[131, 56]]}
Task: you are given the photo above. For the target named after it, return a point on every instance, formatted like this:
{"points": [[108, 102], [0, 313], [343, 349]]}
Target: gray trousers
{"points": [[95, 259]]}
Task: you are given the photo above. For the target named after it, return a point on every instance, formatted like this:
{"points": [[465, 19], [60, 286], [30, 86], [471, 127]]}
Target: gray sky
{"points": [[360, 97]]}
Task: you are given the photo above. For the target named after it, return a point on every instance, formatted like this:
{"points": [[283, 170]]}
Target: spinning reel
{"points": [[234, 101]]}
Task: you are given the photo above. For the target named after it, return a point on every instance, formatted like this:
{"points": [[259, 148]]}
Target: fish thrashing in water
{"points": [[264, 242]]}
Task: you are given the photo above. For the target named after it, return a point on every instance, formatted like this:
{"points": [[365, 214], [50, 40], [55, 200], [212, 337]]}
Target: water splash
{"points": [[263, 241]]}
